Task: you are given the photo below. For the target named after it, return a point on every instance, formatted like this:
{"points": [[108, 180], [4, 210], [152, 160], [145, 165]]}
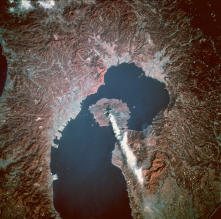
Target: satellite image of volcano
{"points": [[110, 109]]}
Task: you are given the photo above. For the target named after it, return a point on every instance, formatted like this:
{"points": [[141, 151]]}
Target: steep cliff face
{"points": [[58, 55]]}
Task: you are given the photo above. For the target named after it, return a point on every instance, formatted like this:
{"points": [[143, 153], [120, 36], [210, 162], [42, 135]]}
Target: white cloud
{"points": [[25, 4], [54, 177], [11, 10], [47, 3]]}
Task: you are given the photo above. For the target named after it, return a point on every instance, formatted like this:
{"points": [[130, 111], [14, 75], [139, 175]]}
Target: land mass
{"points": [[58, 56]]}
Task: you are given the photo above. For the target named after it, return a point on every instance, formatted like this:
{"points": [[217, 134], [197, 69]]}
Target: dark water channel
{"points": [[3, 71], [88, 185]]}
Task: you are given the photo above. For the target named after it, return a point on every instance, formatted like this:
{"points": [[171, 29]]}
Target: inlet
{"points": [[88, 184], [3, 71]]}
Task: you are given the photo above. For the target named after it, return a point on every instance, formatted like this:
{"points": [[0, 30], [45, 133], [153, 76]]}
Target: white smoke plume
{"points": [[131, 158]]}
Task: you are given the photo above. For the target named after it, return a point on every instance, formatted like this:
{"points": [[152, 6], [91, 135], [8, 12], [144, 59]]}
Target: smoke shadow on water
{"points": [[88, 185]]}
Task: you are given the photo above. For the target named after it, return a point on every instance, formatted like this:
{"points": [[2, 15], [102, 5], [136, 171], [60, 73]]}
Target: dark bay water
{"points": [[144, 96], [3, 71], [88, 185]]}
